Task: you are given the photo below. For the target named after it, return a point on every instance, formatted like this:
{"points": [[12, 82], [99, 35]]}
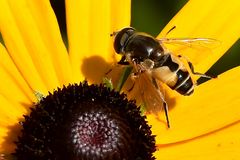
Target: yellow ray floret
{"points": [[47, 24], [78, 21], [11, 114], [214, 105], [89, 25], [13, 86], [29, 43], [220, 145], [205, 19], [17, 49], [120, 17], [33, 41]]}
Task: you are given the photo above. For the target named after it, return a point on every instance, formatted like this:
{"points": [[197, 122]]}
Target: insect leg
{"points": [[123, 61], [134, 76], [170, 30], [194, 72], [110, 70], [165, 105], [130, 89], [199, 74], [113, 34], [166, 113]]}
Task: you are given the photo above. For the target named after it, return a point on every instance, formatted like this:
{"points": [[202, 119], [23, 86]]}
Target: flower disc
{"points": [[85, 122]]}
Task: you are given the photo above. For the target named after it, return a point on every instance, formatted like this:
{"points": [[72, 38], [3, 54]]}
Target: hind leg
{"points": [[165, 105], [193, 71]]}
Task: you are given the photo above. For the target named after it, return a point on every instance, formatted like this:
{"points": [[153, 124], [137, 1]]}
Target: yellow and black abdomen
{"points": [[172, 72]]}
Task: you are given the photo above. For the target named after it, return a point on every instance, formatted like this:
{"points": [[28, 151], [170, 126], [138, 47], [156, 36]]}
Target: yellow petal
{"points": [[14, 43], [120, 18], [11, 111], [8, 136], [89, 25], [47, 24], [13, 86], [3, 134], [121, 11], [25, 44], [223, 144], [78, 21], [10, 89], [10, 114], [206, 19], [213, 105]]}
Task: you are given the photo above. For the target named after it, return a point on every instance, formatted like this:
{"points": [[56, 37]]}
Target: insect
{"points": [[153, 63]]}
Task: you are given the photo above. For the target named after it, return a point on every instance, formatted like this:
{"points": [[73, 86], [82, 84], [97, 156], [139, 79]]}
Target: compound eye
{"points": [[121, 39], [124, 38]]}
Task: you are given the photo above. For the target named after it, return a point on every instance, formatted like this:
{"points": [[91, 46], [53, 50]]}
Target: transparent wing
{"points": [[192, 42], [194, 49], [145, 92], [114, 73]]}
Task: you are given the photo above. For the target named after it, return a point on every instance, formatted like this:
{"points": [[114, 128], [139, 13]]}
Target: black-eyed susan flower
{"points": [[34, 59], [77, 120]]}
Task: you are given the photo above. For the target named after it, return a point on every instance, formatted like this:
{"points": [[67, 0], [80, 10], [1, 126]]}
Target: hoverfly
{"points": [[153, 63]]}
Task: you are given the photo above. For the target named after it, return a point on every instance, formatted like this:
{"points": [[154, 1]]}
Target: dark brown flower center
{"points": [[95, 132], [85, 122]]}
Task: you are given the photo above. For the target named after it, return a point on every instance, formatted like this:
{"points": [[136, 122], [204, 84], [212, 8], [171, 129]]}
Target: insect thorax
{"points": [[142, 47]]}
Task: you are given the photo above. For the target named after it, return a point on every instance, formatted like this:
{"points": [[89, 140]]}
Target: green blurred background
{"points": [[151, 16]]}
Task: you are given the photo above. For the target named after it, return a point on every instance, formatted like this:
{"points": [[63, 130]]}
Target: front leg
{"points": [[123, 61]]}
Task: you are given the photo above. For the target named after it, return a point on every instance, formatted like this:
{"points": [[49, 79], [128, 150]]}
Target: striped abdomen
{"points": [[172, 72]]}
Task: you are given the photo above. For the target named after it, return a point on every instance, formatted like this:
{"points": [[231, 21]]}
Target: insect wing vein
{"points": [[149, 95]]}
